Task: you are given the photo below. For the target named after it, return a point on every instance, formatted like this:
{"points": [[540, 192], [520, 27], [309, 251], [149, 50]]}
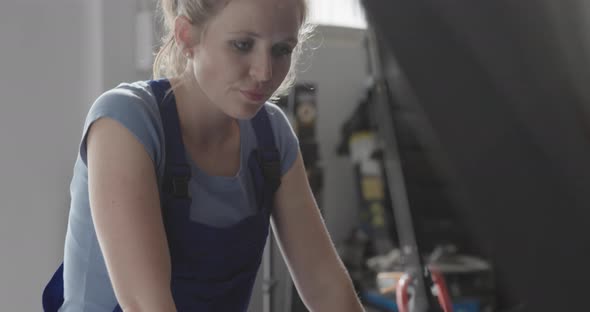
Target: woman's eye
{"points": [[282, 50], [242, 45]]}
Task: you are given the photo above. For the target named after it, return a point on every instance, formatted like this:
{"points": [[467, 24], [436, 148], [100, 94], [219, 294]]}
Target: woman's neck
{"points": [[202, 123]]}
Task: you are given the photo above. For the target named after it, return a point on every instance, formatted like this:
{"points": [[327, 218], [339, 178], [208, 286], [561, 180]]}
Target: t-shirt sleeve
{"points": [[135, 113], [285, 137]]}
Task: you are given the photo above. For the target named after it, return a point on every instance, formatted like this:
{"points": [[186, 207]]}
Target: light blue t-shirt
{"points": [[217, 201]]}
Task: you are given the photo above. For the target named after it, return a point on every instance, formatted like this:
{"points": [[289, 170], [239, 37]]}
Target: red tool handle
{"points": [[444, 298], [401, 293], [403, 299]]}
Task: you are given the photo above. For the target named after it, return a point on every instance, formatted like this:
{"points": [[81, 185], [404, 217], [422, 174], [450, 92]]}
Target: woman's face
{"points": [[245, 53]]}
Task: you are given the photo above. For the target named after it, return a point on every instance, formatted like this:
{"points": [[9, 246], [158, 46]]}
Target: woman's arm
{"points": [[125, 206], [318, 273]]}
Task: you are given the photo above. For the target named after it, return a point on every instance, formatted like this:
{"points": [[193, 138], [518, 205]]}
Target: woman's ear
{"points": [[185, 35]]}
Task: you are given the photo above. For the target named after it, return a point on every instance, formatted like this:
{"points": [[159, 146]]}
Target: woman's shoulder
{"points": [[279, 122], [272, 108], [277, 116], [135, 94], [133, 106], [128, 103], [284, 135]]}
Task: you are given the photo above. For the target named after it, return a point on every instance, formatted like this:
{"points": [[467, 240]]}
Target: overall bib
{"points": [[213, 269]]}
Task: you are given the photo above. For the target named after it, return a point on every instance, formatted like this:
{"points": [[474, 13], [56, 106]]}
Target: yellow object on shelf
{"points": [[372, 187]]}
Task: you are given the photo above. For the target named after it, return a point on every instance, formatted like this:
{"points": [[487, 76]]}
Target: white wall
{"points": [[338, 68], [42, 95], [53, 65], [348, 14]]}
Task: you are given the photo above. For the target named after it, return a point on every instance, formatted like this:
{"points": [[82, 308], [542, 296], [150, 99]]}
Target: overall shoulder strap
{"points": [[177, 172], [267, 157]]}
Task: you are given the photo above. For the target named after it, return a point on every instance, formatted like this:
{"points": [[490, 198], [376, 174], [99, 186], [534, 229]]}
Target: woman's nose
{"points": [[261, 69]]}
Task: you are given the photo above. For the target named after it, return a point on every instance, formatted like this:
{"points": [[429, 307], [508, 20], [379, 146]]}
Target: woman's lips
{"points": [[253, 95]]}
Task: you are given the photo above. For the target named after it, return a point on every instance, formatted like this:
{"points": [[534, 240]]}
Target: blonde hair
{"points": [[171, 62]]}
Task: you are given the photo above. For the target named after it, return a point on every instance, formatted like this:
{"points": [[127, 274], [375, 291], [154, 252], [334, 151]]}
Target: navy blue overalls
{"points": [[213, 269]]}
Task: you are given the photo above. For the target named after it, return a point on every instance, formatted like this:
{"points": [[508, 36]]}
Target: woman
{"points": [[168, 209]]}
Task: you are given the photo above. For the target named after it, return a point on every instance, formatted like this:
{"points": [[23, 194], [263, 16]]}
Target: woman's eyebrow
{"points": [[249, 33], [256, 35]]}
